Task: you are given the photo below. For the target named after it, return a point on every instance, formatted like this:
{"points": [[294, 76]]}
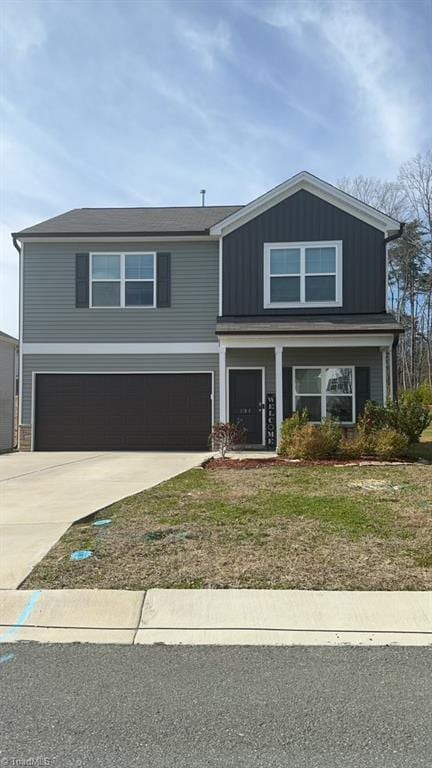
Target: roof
{"points": [[308, 324], [306, 181], [193, 220], [206, 220], [6, 337]]}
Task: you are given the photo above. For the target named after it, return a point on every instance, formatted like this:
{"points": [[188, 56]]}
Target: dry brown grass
{"points": [[277, 527]]}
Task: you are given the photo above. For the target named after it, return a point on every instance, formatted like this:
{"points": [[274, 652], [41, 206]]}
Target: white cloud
{"points": [[21, 28], [208, 45], [379, 81]]}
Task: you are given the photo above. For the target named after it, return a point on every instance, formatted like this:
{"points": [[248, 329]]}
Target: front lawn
{"points": [[274, 527]]}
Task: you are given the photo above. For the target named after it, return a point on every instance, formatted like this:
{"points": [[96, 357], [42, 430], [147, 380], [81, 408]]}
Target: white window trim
{"points": [[324, 394], [122, 280], [337, 244]]}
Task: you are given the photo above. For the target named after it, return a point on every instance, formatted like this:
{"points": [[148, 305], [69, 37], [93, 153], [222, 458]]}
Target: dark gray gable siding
{"points": [[304, 217]]}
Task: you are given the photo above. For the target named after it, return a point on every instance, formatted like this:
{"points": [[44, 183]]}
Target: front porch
{"points": [[264, 379]]}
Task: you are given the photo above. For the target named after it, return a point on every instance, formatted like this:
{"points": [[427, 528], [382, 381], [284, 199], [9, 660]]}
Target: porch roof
{"points": [[304, 324]]}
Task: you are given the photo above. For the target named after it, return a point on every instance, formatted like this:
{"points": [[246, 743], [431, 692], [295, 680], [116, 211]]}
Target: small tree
{"points": [[225, 435]]}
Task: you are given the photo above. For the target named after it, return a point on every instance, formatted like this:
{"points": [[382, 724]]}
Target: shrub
{"points": [[384, 443], [389, 444], [225, 435], [359, 446], [409, 416], [301, 440], [290, 426], [374, 417], [423, 393]]}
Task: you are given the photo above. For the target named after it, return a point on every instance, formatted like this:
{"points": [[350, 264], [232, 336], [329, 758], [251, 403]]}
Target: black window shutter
{"points": [[82, 280], [362, 389], [163, 280], [287, 392]]}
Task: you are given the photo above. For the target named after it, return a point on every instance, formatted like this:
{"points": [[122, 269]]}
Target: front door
{"points": [[245, 402]]}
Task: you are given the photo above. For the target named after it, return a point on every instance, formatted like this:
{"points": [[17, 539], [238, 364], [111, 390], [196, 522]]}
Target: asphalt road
{"points": [[160, 707]]}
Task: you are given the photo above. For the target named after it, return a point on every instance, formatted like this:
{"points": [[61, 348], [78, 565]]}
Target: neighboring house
{"points": [[8, 347], [142, 326]]}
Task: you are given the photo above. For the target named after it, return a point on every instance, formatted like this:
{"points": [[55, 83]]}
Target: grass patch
{"points": [[277, 527]]}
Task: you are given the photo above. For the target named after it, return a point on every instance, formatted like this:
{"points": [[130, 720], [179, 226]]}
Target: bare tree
{"points": [[415, 178], [409, 198], [387, 196]]}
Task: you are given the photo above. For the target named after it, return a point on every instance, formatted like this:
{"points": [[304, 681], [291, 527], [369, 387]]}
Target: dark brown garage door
{"points": [[122, 412]]}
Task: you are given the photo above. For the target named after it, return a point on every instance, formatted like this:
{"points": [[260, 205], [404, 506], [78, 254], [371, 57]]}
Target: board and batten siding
{"points": [[304, 217], [50, 314], [111, 363]]}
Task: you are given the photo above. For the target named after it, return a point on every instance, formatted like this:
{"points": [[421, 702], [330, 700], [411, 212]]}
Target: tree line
{"points": [[409, 199]]}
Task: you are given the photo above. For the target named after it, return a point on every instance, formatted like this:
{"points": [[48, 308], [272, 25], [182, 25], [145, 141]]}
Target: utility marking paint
{"points": [[81, 554], [22, 618], [7, 657]]}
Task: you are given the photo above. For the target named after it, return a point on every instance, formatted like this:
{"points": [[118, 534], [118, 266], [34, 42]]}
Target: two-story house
{"points": [[140, 327]]}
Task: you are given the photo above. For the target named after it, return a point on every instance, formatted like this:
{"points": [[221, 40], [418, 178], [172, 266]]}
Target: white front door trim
{"points": [[263, 385]]}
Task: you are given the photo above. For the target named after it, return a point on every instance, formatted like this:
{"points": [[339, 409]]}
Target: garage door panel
{"points": [[123, 411]]}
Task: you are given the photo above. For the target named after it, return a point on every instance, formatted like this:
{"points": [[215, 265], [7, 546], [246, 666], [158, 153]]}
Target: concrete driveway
{"points": [[41, 494]]}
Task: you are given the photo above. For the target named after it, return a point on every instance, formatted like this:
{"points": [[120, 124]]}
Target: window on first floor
{"points": [[123, 279], [325, 391], [302, 274]]}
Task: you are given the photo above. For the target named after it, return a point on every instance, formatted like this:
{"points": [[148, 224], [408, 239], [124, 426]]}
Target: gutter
{"points": [[396, 235]]}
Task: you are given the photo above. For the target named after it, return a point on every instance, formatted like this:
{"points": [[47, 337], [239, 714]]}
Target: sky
{"points": [[144, 102]]}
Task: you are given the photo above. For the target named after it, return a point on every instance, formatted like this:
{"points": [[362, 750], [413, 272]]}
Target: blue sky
{"points": [[143, 103]]}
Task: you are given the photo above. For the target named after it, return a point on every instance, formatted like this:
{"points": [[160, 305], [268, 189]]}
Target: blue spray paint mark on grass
{"points": [[81, 554], [22, 618], [7, 657]]}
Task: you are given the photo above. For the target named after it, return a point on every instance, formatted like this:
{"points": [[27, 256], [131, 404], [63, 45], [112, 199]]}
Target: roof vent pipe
{"points": [[202, 193]]}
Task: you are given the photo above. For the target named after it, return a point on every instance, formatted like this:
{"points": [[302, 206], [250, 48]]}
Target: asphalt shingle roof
{"points": [[194, 220], [307, 324]]}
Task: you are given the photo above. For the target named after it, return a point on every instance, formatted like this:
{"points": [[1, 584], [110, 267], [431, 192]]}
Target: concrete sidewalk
{"points": [[217, 617]]}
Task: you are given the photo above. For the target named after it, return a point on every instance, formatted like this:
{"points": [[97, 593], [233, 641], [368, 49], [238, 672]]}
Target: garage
{"points": [[122, 411]]}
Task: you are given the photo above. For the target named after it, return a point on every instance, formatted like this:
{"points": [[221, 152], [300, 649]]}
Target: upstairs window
{"points": [[302, 274], [123, 279]]}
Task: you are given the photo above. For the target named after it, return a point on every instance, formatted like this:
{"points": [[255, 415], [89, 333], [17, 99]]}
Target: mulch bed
{"points": [[277, 461]]}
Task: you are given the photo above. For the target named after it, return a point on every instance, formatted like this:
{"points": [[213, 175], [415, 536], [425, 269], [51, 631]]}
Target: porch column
{"points": [[390, 373], [384, 373], [222, 384], [279, 391]]}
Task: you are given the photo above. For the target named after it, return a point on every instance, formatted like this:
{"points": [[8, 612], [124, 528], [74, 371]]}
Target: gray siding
{"points": [[7, 395], [300, 218], [50, 314], [370, 357], [123, 363]]}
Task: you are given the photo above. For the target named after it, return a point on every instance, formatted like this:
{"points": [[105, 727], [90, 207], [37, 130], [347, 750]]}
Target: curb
{"points": [[217, 617]]}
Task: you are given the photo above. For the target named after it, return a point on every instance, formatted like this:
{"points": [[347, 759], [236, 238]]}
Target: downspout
{"points": [[394, 367], [18, 248], [393, 361]]}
